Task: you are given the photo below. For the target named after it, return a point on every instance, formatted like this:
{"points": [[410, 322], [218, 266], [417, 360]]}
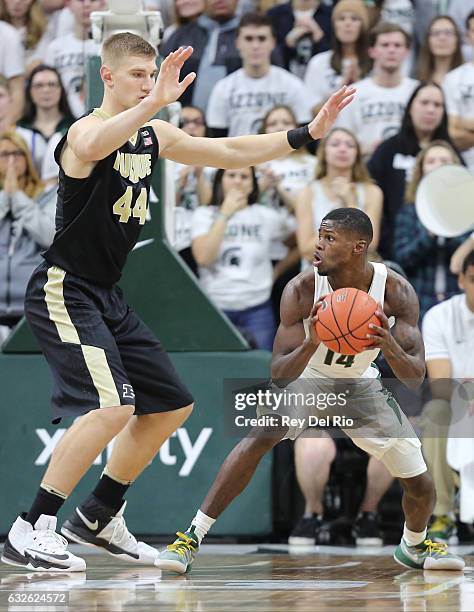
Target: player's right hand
{"points": [[168, 88]]}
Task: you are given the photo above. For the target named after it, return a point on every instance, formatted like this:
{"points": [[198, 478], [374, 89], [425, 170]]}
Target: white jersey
{"points": [[458, 87], [328, 364], [376, 112], [239, 103]]}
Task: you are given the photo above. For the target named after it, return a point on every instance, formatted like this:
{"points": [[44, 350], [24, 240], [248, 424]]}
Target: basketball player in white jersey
{"points": [[302, 363]]}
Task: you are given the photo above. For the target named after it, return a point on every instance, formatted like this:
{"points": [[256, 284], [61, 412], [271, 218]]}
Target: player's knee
{"points": [[116, 416], [316, 449]]}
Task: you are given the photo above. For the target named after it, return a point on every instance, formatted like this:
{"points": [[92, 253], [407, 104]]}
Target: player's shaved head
{"points": [[125, 44], [352, 220]]}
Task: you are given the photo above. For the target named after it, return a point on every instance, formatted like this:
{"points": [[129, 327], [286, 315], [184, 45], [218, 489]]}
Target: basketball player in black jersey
{"points": [[107, 366], [303, 363]]}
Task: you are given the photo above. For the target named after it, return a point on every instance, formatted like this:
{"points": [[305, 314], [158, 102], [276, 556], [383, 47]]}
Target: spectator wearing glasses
{"points": [[27, 214], [440, 52], [47, 112], [193, 187]]}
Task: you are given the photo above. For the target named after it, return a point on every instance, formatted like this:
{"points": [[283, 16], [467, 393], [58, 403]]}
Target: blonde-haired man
{"points": [[108, 367]]}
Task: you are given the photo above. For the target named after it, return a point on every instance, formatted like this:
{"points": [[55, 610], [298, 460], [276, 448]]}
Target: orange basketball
{"points": [[343, 320]]}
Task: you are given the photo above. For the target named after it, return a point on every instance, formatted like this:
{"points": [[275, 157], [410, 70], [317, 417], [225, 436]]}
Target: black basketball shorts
{"points": [[100, 353]]}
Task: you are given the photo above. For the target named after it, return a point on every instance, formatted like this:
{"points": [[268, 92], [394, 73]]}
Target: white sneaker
{"points": [[93, 524], [39, 548]]}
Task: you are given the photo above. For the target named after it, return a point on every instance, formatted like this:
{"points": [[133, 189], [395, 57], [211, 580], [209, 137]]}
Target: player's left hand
{"points": [[381, 336], [324, 120], [168, 88]]}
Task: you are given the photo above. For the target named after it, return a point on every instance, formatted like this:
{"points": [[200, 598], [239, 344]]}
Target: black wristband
{"points": [[299, 137]]}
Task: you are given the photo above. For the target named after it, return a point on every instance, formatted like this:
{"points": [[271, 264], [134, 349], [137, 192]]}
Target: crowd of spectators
{"points": [[264, 66]]}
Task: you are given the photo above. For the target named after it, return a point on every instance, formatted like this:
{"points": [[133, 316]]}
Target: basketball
{"points": [[344, 318]]}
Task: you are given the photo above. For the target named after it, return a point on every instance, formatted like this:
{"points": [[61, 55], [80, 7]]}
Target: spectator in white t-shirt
{"points": [[458, 88], [347, 60], [239, 101], [29, 20], [377, 110], [441, 50], [448, 334], [232, 239], [69, 54], [341, 179], [12, 66]]}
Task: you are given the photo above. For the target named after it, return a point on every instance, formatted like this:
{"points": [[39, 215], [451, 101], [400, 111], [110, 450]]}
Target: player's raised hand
{"points": [[168, 88], [324, 120]]}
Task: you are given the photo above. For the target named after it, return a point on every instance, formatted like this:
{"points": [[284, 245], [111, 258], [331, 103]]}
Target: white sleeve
{"points": [[452, 95], [201, 223], [347, 118], [49, 167], [12, 56], [49, 54], [301, 102], [314, 81], [217, 115], [433, 335]]}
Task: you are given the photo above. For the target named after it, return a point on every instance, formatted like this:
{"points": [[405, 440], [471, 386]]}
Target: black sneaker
{"points": [[366, 530], [94, 524], [304, 532]]}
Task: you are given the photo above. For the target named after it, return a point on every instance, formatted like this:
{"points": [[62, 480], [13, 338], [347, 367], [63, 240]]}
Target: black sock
{"points": [[110, 492], [45, 502]]}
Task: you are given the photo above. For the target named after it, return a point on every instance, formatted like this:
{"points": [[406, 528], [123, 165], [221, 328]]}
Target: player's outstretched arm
{"points": [[244, 151], [292, 349], [92, 138], [404, 349]]}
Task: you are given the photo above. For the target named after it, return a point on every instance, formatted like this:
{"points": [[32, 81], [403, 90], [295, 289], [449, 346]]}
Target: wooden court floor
{"points": [[251, 579]]}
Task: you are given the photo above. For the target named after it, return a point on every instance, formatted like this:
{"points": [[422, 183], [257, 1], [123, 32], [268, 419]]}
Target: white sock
{"points": [[412, 538], [201, 523]]}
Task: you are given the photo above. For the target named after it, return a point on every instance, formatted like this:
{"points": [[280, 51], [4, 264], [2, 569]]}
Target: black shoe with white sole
{"points": [[39, 548], [94, 524]]}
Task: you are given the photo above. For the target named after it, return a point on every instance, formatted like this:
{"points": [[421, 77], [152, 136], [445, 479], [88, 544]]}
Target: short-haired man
{"points": [[458, 86], [381, 97], [239, 102], [108, 368]]}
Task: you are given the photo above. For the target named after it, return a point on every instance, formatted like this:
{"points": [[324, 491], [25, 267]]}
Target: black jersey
{"points": [[99, 218]]}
